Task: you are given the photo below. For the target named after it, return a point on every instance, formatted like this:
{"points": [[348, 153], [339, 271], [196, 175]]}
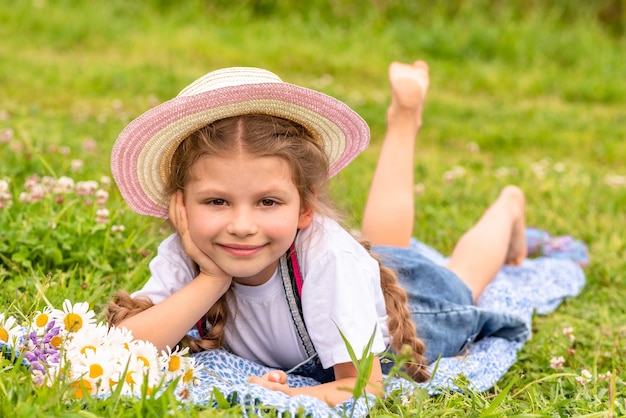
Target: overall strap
{"points": [[292, 283]]}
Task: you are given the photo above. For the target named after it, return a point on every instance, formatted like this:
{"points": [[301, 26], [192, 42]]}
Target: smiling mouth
{"points": [[242, 250]]}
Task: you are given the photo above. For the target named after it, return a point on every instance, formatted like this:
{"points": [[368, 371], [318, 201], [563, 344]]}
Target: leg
{"points": [[497, 239], [389, 213]]}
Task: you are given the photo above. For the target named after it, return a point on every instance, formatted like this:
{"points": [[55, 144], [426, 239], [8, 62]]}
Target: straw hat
{"points": [[141, 156]]}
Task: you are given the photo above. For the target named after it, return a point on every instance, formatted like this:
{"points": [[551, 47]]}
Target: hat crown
{"points": [[229, 77]]}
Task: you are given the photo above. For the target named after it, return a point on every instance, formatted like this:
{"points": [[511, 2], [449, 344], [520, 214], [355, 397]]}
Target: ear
{"points": [[306, 216]]}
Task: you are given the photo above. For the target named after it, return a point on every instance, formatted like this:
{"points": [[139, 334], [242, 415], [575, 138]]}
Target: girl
{"points": [[238, 162]]}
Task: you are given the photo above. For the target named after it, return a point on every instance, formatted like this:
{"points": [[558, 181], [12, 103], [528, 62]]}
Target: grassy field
{"points": [[524, 92]]}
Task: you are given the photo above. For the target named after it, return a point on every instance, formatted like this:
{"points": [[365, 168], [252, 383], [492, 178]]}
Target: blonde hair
{"points": [[263, 135]]}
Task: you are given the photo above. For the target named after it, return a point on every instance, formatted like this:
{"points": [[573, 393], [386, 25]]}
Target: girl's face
{"points": [[243, 212]]}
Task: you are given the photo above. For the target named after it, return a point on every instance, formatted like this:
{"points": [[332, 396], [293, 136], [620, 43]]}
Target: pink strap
{"points": [[296, 268]]}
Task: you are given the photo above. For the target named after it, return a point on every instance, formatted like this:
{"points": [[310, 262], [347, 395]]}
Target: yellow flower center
{"points": [[4, 334], [41, 320], [73, 322], [95, 370], [56, 341], [174, 364], [143, 360], [87, 347], [81, 385], [129, 378], [188, 376]]}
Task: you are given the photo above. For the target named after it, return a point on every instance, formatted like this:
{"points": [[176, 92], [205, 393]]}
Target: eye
{"points": [[268, 202], [216, 202]]}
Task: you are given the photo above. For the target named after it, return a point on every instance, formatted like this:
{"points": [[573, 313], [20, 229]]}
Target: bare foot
{"points": [[409, 84], [517, 251]]}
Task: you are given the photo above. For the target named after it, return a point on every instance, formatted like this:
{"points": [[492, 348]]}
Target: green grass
{"points": [[531, 85]]}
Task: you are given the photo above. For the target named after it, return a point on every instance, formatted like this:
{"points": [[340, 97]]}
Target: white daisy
{"points": [[96, 367], [133, 376], [74, 317], [41, 319], [148, 355], [9, 330], [176, 363], [86, 339], [118, 337]]}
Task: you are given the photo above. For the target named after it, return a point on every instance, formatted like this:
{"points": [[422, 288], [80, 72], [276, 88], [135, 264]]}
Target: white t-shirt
{"points": [[341, 290]]}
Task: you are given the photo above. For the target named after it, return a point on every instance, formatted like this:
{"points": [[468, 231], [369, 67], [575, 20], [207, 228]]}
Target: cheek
{"points": [[284, 226], [199, 224]]}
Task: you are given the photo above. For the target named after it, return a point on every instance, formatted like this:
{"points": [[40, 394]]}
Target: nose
{"points": [[242, 223]]}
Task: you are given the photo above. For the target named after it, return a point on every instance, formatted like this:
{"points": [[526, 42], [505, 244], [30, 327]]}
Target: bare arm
{"points": [[333, 392], [166, 323]]}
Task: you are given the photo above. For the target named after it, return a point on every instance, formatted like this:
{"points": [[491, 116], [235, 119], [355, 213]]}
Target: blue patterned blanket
{"points": [[538, 285]]}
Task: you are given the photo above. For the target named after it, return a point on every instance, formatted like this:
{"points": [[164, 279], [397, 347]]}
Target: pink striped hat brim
{"points": [[140, 160]]}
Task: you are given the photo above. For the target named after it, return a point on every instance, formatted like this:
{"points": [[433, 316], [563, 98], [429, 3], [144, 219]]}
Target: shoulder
{"points": [[331, 258], [325, 235]]}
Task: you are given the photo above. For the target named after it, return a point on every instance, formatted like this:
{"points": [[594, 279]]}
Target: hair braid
{"points": [[215, 318], [123, 306], [401, 328]]}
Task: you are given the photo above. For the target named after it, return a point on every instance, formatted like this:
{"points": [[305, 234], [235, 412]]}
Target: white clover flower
{"points": [[102, 196], [102, 216], [24, 197], [16, 146], [6, 135], [614, 180], [48, 182], [5, 200], [74, 317], [89, 145], [63, 185], [559, 167], [5, 195], [86, 188], [105, 181], [540, 168], [453, 174], [31, 181], [569, 333], [557, 363], [584, 378], [35, 193]]}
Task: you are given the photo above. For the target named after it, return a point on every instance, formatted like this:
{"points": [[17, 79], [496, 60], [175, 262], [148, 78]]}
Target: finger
{"points": [[173, 209], [277, 376], [261, 381], [177, 211]]}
